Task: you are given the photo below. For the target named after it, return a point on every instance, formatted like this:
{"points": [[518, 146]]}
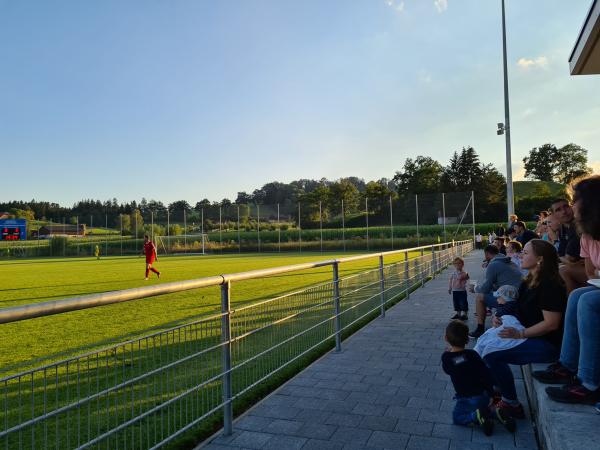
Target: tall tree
{"points": [[344, 190], [423, 174], [572, 163], [541, 163]]}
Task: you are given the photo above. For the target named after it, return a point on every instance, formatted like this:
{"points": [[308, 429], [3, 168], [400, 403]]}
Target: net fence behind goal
{"points": [[191, 244]]}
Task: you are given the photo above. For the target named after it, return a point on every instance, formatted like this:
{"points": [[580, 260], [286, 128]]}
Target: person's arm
{"points": [[551, 322], [450, 284], [590, 269]]}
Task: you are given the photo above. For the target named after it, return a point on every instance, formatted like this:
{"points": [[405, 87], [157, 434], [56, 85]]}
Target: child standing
{"points": [[457, 288], [472, 382]]}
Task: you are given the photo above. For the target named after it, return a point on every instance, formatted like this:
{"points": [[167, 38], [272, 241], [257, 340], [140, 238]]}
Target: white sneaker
{"points": [[146, 279]]}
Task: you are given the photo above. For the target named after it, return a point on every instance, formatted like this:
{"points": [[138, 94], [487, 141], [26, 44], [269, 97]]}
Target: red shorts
{"points": [[150, 259]]}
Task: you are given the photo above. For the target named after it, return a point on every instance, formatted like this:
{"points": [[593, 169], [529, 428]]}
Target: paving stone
{"points": [[275, 412], [346, 420], [320, 444], [378, 423], [427, 443], [455, 432], [316, 431], [252, 423], [431, 403], [462, 445], [280, 426], [403, 412], [350, 434], [388, 439], [369, 409], [343, 406], [313, 415], [396, 400], [251, 439], [414, 427], [438, 416], [285, 442]]}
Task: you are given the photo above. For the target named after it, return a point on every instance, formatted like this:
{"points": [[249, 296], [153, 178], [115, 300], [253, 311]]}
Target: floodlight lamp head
{"points": [[500, 132], [500, 125]]}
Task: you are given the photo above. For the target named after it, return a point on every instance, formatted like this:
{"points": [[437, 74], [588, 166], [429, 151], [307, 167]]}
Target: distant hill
{"points": [[525, 189]]}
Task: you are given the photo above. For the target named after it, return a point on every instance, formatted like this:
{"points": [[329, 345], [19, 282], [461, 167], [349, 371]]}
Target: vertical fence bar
{"points": [[407, 274], [391, 223], [444, 214], [299, 230], [433, 262], [473, 214], [168, 231], [367, 219], [417, 215], [382, 285], [78, 235], [136, 231], [106, 234], [321, 225], [152, 226], [226, 340], [238, 230], [258, 225], [220, 229], [343, 226], [121, 229], [336, 306], [278, 230], [65, 237], [422, 271], [184, 230]]}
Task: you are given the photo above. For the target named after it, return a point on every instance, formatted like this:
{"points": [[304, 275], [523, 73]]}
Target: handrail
{"points": [[18, 313]]}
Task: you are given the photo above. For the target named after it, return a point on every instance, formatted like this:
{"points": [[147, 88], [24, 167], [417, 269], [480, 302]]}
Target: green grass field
{"points": [[39, 341]]}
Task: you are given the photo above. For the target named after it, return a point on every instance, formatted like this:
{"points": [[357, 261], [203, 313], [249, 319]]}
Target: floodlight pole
{"points": [[510, 200]]}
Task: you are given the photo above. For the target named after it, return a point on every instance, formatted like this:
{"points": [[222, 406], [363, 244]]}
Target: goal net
{"points": [[191, 244]]}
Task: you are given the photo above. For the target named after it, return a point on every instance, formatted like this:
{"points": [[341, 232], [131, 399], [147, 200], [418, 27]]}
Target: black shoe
{"points": [[464, 316], [573, 393], [477, 332], [554, 374], [455, 316], [484, 422], [506, 419]]}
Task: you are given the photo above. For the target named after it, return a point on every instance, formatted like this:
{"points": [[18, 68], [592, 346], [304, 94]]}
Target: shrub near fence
{"points": [[151, 391]]}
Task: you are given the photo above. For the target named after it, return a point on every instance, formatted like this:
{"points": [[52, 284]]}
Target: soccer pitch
{"points": [[37, 342]]}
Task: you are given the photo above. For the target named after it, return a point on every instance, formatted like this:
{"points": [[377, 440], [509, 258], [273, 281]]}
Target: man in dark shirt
{"points": [[523, 234], [472, 382], [499, 242], [572, 269]]}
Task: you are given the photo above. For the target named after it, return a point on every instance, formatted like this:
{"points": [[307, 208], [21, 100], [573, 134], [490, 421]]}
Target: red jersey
{"points": [[150, 250]]}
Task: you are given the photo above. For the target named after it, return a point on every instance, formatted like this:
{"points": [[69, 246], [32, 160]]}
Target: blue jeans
{"points": [[533, 350], [581, 340], [490, 300], [459, 298], [465, 407]]}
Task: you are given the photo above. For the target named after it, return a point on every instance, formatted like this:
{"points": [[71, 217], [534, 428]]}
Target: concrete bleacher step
{"points": [[561, 426]]}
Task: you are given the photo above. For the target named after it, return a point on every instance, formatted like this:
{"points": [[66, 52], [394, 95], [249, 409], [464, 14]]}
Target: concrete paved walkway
{"points": [[386, 389]]}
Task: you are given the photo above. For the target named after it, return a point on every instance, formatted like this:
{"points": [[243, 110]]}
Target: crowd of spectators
{"points": [[543, 286]]}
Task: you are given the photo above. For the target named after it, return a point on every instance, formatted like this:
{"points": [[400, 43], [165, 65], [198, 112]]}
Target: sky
{"points": [[174, 100]]}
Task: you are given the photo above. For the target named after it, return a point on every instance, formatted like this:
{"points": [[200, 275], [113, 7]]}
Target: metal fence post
{"points": [[336, 306], [422, 267], [382, 285], [226, 340], [433, 262], [407, 274]]}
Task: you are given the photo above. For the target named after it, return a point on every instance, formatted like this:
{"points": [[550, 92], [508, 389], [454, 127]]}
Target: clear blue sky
{"points": [[191, 99]]}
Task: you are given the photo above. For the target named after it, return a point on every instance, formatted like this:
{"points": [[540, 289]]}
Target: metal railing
{"points": [[146, 392]]}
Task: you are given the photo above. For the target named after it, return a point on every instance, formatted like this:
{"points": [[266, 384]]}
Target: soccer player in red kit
{"points": [[150, 252]]}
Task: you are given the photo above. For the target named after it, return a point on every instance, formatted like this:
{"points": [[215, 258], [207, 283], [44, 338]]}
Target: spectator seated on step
{"points": [[579, 365], [523, 234], [572, 269], [500, 271]]}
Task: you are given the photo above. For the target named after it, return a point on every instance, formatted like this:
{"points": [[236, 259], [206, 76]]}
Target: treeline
{"points": [[322, 199]]}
